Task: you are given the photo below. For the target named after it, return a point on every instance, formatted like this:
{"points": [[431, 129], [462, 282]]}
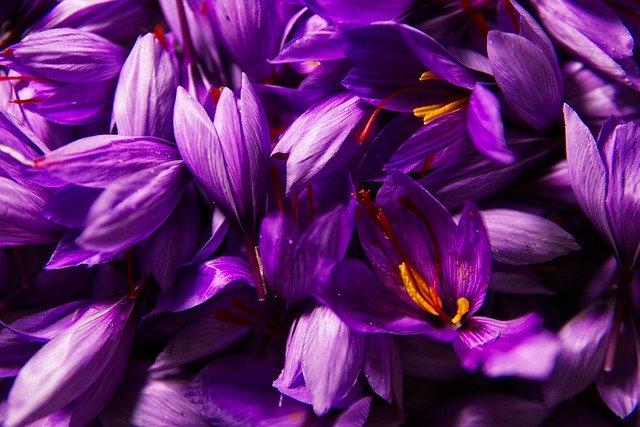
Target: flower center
{"points": [[419, 289]]}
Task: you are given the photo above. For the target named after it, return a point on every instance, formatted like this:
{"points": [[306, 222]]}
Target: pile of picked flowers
{"points": [[319, 212]]}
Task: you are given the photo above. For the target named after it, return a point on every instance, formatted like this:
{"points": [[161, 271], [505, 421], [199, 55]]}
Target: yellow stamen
{"points": [[428, 75], [414, 283], [313, 63], [430, 112], [463, 308]]}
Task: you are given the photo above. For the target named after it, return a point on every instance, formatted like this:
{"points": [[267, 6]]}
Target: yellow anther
{"points": [[430, 112], [313, 63], [463, 308], [428, 75], [414, 283]]}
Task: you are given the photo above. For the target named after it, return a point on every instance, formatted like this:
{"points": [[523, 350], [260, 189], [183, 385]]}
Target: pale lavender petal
{"points": [[44, 385], [621, 157], [211, 278], [99, 160], [70, 204], [383, 367], [321, 140], [145, 95], [355, 415], [70, 55], [523, 238], [620, 388], [484, 123], [583, 344], [133, 208], [587, 172], [526, 78], [330, 378]]}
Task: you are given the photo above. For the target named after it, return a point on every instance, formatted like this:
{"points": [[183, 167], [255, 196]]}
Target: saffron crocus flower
{"points": [[93, 352], [229, 157], [604, 176], [432, 285], [605, 180]]}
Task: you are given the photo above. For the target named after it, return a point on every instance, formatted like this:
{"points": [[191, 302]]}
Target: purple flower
{"points": [[604, 176], [431, 285]]}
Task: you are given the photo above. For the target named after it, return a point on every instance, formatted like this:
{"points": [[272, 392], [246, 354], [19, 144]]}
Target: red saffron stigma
{"points": [[158, 31], [204, 8], [624, 10], [476, 17], [426, 166], [273, 172], [512, 14], [21, 78], [26, 101], [216, 93], [294, 207], [367, 128], [8, 51], [312, 213]]}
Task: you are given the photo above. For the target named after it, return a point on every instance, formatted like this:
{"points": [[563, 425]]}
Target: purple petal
{"points": [[321, 140], [144, 99], [314, 46], [383, 367], [583, 344], [442, 132], [70, 55], [621, 158], [77, 103], [526, 78], [620, 388], [110, 157], [515, 347], [578, 29], [332, 357], [219, 228], [44, 385], [22, 219], [156, 402], [207, 334], [173, 244], [210, 279], [45, 325], [439, 60], [522, 238], [279, 237], [69, 254], [358, 297], [468, 271], [250, 32], [358, 11], [355, 415], [485, 125], [586, 171], [236, 390], [70, 204], [133, 208]]}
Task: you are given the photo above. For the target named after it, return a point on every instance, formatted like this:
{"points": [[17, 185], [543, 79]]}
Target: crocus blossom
{"points": [[319, 212]]}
